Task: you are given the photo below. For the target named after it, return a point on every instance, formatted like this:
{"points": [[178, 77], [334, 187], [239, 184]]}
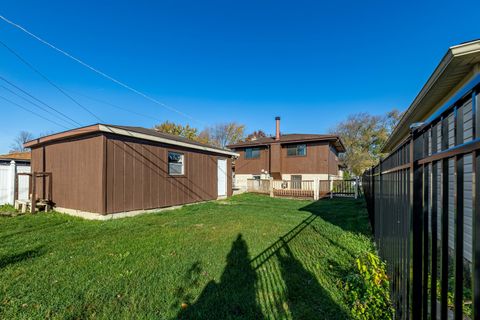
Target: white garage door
{"points": [[222, 177]]}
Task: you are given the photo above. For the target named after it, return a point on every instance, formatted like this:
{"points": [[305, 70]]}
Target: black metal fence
{"points": [[349, 188], [423, 202]]}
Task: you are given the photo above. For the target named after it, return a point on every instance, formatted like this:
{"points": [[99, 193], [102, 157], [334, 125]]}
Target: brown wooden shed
{"points": [[107, 169]]}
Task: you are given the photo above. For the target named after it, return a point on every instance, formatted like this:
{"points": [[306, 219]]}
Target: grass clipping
{"points": [[368, 289]]}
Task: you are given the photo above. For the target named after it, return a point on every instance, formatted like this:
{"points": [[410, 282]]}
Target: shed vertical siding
{"points": [[76, 166], [137, 176]]}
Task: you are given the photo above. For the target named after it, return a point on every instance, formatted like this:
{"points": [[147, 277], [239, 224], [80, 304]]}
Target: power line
{"points": [[115, 106], [28, 64], [101, 73], [32, 112], [70, 120], [39, 101]]}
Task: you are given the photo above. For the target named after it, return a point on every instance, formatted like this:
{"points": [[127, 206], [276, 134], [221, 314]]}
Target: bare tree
{"points": [[255, 135], [223, 134], [20, 139]]}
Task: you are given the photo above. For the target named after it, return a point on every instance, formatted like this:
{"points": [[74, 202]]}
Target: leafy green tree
{"points": [[364, 135], [220, 134], [177, 129]]}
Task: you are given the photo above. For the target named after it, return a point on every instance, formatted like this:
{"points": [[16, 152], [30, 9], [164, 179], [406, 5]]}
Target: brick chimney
{"points": [[277, 132]]}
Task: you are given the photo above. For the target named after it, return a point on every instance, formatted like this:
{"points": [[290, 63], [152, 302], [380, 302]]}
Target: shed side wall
{"points": [[137, 176], [76, 166]]}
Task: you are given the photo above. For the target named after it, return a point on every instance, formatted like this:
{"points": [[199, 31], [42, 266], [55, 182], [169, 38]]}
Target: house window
{"points": [[252, 153], [176, 165], [297, 150]]}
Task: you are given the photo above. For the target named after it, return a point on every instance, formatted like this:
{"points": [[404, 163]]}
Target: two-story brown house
{"points": [[293, 157]]}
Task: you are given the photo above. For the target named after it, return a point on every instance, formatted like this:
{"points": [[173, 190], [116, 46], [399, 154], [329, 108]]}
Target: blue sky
{"points": [[311, 62]]}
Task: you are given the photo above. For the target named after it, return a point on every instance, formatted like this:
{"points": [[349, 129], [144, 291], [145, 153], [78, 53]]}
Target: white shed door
{"points": [[222, 177]]}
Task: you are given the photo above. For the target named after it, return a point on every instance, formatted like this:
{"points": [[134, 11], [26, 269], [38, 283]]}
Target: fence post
{"points": [[316, 188], [271, 187], [356, 187], [11, 182], [416, 226], [330, 186]]}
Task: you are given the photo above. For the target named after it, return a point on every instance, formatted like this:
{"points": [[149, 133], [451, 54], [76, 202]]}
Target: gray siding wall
{"points": [[467, 182]]}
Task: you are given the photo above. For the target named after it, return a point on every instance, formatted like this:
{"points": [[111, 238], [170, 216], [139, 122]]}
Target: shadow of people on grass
{"points": [[234, 296], [306, 298]]}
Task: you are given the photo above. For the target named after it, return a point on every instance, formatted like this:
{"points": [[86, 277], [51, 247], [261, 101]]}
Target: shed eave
{"points": [[464, 55], [128, 133]]}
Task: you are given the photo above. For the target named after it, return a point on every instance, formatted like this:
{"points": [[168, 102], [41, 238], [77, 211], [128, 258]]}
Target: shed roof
{"points": [[455, 66], [22, 156], [128, 131], [292, 138]]}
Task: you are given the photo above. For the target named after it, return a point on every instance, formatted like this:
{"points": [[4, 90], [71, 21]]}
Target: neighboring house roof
{"points": [[292, 138], [458, 63], [134, 132], [17, 156]]}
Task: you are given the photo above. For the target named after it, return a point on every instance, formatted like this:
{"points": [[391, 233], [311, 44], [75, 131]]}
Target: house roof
{"points": [[292, 138], [134, 132], [456, 65], [21, 156]]}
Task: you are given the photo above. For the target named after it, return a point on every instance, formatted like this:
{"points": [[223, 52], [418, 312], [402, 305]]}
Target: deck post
{"points": [[330, 186], [316, 188]]}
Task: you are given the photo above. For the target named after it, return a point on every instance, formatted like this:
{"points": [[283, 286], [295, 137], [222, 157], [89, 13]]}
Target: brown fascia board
{"points": [[246, 145], [104, 128], [63, 135]]}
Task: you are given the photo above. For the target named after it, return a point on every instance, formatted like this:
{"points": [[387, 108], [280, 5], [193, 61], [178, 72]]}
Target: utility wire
{"points": [[32, 112], [35, 104], [28, 64], [40, 101], [115, 106], [101, 73]]}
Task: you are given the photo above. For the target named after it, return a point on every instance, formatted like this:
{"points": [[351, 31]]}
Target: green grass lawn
{"points": [[248, 257]]}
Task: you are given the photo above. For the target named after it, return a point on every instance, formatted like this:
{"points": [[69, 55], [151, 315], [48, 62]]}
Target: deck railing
{"points": [[258, 185], [423, 204], [307, 189], [294, 188]]}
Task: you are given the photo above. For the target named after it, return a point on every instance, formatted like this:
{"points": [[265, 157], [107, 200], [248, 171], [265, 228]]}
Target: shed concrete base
{"points": [[97, 216]]}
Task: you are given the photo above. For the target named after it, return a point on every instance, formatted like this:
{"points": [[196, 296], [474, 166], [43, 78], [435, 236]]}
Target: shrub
{"points": [[368, 289]]}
